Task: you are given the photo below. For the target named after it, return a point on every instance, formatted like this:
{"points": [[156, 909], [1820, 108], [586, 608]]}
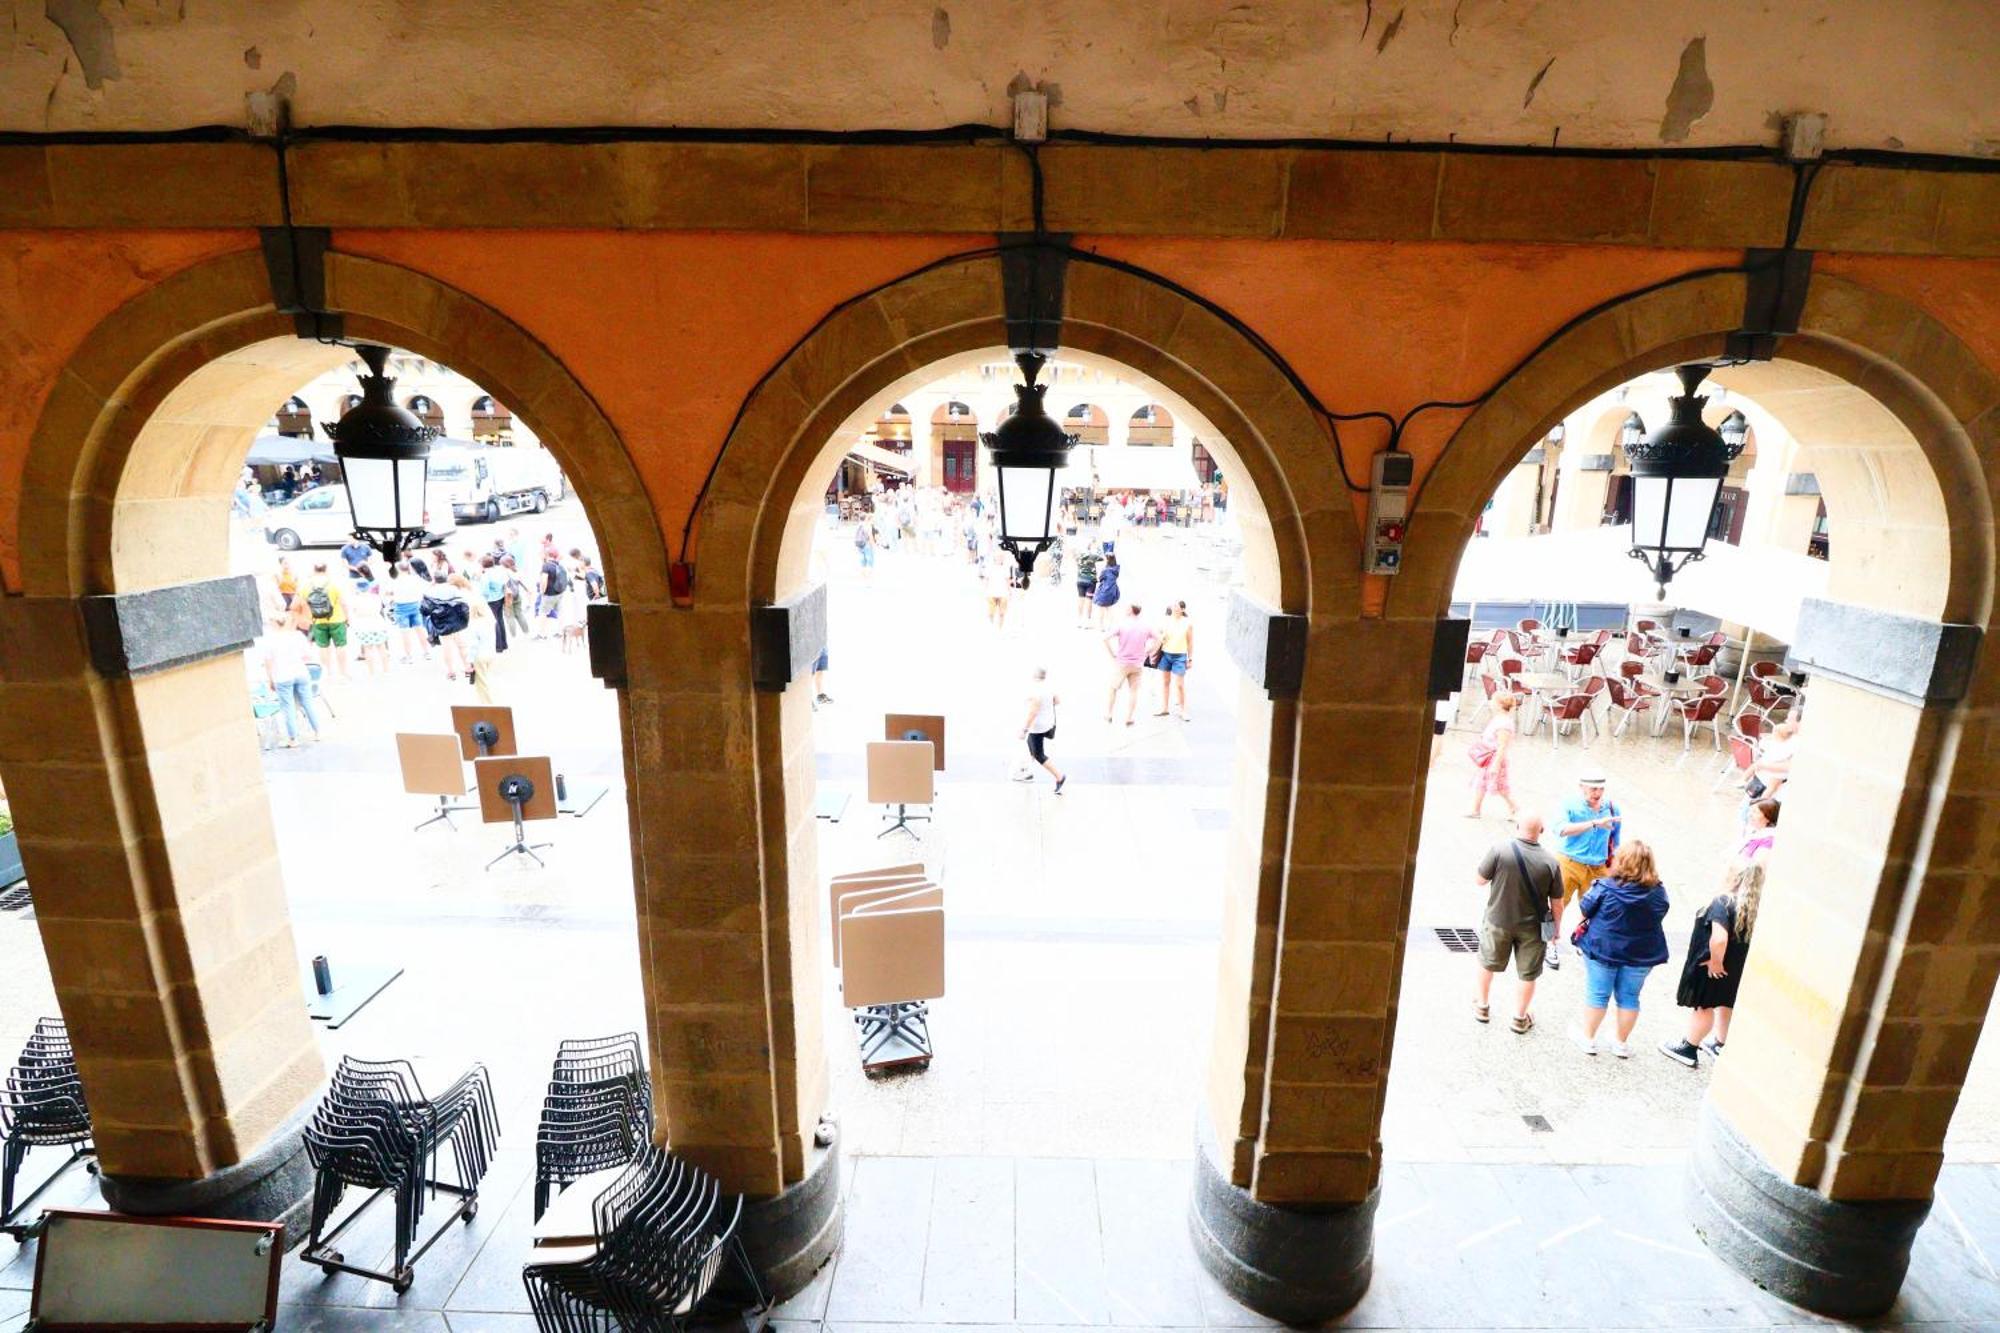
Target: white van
{"points": [[487, 482], [320, 517]]}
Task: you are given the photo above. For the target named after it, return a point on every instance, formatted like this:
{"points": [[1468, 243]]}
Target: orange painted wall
{"points": [[54, 288], [669, 331]]}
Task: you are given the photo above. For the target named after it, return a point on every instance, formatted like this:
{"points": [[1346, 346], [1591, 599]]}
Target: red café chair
{"points": [[1694, 658], [1699, 711], [1528, 625], [1714, 684], [1579, 658], [1742, 754], [1631, 669], [1571, 710], [1594, 686], [1511, 667], [1764, 670], [1646, 626], [1492, 687], [1474, 653], [1751, 724], [1627, 700]]}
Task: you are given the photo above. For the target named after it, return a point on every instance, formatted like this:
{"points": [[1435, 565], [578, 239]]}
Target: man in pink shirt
{"points": [[1130, 644]]}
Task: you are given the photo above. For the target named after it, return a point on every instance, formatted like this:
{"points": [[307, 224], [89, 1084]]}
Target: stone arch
{"points": [[1816, 1111], [753, 533], [1877, 347], [147, 411], [143, 812]]}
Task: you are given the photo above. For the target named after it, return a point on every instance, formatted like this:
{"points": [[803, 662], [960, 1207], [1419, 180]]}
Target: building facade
{"points": [[1470, 244]]}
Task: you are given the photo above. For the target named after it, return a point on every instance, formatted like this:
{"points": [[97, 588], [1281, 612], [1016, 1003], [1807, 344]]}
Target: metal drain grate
{"points": [[1458, 939], [1539, 1123], [16, 899]]}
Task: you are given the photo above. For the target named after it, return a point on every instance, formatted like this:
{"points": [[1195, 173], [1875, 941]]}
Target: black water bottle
{"points": [[562, 788], [322, 975]]}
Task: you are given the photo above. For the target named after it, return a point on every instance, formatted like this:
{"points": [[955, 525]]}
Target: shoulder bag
{"points": [[1544, 915]]}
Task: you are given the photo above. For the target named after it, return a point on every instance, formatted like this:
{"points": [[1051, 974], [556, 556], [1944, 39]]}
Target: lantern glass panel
{"points": [[1693, 506], [386, 494], [1026, 494]]}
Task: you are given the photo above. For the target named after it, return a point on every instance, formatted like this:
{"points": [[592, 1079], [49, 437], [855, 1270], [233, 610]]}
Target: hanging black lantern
{"points": [[1027, 450], [383, 450], [1677, 476]]}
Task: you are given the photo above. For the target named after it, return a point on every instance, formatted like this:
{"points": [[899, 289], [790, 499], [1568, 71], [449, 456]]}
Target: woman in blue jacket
{"points": [[1107, 593], [1622, 941]]}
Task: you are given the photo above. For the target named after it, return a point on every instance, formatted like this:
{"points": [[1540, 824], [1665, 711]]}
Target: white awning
{"points": [[1133, 467], [885, 459]]}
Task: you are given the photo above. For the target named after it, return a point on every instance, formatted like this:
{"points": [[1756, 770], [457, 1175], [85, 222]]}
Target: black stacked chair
{"points": [[598, 1113], [376, 1129], [664, 1231], [41, 1106]]}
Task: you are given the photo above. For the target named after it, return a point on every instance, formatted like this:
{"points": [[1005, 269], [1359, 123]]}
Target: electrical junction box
{"points": [[1388, 512]]}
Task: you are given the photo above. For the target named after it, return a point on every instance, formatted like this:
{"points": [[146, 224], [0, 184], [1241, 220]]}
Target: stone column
{"points": [[739, 1068], [1285, 1187], [1871, 967], [132, 767], [924, 467]]}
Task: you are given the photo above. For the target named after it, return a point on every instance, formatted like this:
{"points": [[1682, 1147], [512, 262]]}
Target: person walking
{"points": [[287, 661], [1107, 593], [406, 595], [996, 574], [1039, 728], [1489, 755], [326, 601], [1713, 969], [1523, 884], [493, 592], [1176, 655], [554, 583], [519, 601], [1129, 645], [447, 612], [865, 542], [1587, 836], [1622, 942], [1087, 561], [368, 625]]}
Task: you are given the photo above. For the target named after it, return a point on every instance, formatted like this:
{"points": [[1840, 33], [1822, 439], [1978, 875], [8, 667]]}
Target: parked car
{"points": [[321, 517]]}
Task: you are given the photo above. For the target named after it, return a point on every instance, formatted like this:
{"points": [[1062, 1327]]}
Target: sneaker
{"points": [[1621, 1050], [825, 699], [1553, 959], [1588, 1045], [1059, 783], [1712, 1046], [1677, 1049], [1024, 777]]}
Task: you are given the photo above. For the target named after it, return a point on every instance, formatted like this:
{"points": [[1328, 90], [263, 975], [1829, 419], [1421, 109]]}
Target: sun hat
{"points": [[1591, 777]]}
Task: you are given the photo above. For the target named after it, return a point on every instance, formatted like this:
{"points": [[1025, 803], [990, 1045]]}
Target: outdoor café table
{"points": [[1687, 687], [1541, 684]]}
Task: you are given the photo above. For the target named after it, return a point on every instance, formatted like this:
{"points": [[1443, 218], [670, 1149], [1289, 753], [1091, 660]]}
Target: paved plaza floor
{"points": [[1036, 1174]]}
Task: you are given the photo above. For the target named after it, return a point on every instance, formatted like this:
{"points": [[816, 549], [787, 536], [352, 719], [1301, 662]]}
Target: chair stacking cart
{"points": [[662, 1233], [376, 1129], [41, 1106], [598, 1113]]}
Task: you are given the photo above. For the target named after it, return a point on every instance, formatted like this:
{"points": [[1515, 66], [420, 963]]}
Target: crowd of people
{"points": [[1580, 856], [1149, 657], [355, 613]]}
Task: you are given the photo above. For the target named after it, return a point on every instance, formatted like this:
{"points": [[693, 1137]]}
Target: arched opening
{"points": [[955, 433], [222, 1039], [428, 410], [1804, 1087], [490, 421], [294, 418], [754, 544]]}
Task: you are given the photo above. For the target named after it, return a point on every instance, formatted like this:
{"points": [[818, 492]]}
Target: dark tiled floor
{"points": [[978, 1243]]}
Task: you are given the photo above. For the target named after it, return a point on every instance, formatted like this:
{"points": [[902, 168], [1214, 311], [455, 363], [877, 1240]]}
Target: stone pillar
{"points": [[1871, 967], [924, 467], [739, 1069], [1512, 513], [132, 767], [1580, 501], [1286, 1187]]}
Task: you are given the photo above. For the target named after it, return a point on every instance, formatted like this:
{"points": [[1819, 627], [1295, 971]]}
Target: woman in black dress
{"points": [[1714, 965]]}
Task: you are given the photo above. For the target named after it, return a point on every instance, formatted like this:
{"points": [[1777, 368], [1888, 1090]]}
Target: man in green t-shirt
{"points": [[1522, 883]]}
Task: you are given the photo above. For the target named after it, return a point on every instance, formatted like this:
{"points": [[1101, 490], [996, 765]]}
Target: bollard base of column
{"points": [[790, 1237], [1296, 1265], [272, 1184], [1845, 1260]]}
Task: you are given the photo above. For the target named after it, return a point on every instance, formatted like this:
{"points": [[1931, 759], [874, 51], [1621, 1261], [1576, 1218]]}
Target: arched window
{"points": [[1151, 425], [428, 412], [490, 421], [295, 418]]}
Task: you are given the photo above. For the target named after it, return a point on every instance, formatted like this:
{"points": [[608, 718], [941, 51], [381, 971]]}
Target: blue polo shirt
{"points": [[1592, 847]]}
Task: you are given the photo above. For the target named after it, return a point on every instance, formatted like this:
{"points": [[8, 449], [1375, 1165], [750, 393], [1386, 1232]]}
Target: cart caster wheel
{"points": [[402, 1283], [471, 1209], [91, 1168]]}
